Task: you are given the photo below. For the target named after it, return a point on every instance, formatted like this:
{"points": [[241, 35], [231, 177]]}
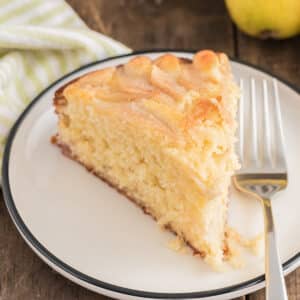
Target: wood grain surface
{"points": [[144, 24]]}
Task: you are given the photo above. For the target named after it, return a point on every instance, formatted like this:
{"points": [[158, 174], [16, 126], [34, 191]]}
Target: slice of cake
{"points": [[162, 133]]}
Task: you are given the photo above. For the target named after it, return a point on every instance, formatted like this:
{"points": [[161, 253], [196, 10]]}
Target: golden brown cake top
{"points": [[177, 91]]}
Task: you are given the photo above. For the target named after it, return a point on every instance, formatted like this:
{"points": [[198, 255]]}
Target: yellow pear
{"points": [[266, 18]]}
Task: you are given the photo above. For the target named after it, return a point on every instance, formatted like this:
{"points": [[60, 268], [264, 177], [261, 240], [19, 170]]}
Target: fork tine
{"points": [[278, 132], [241, 124], [253, 120], [266, 152]]}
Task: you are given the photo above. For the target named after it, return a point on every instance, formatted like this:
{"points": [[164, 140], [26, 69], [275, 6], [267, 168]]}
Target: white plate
{"points": [[94, 236]]}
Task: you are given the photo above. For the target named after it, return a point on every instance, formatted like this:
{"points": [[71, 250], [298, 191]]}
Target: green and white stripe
{"points": [[39, 42]]}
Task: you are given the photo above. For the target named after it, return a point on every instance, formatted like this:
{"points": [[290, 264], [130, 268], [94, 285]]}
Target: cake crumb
{"points": [[234, 257], [177, 244], [236, 240], [256, 245]]}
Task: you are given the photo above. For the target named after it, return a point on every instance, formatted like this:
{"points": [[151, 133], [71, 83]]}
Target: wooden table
{"points": [[144, 24]]}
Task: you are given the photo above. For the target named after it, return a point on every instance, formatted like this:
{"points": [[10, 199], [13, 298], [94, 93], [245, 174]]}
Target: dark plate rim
{"points": [[39, 248]]}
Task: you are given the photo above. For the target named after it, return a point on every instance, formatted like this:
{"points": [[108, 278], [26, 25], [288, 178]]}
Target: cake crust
{"points": [[185, 97]]}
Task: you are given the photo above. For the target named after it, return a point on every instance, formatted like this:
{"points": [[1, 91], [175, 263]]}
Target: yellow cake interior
{"points": [[162, 132]]}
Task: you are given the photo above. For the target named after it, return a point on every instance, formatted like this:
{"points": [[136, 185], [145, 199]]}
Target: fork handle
{"points": [[275, 284]]}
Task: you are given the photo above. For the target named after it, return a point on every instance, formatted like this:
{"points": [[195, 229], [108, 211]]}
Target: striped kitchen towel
{"points": [[39, 42]]}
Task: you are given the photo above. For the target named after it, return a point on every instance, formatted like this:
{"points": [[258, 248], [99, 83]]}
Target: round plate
{"points": [[92, 235]]}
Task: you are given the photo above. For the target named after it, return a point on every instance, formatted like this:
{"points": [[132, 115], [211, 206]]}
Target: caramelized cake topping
{"points": [[167, 87]]}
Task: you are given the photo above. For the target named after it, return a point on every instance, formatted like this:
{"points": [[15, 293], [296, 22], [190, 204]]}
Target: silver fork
{"points": [[263, 166]]}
